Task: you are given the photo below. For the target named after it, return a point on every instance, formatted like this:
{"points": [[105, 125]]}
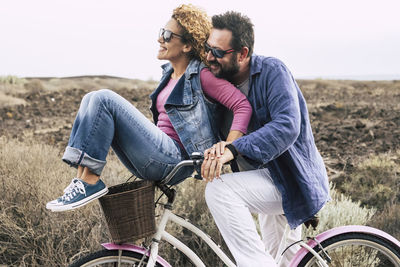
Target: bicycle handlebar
{"points": [[196, 161]]}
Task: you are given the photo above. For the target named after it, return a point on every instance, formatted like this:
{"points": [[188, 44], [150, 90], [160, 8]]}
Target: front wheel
{"points": [[356, 249], [111, 258]]}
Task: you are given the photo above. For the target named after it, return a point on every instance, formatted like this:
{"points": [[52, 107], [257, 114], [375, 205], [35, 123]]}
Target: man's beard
{"points": [[228, 71]]}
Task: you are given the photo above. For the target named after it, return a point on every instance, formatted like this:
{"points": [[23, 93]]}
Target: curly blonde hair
{"points": [[196, 27]]}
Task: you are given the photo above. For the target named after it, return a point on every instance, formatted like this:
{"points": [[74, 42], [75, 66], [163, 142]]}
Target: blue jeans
{"points": [[104, 120]]}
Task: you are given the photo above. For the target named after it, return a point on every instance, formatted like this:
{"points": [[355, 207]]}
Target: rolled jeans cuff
{"points": [[76, 157]]}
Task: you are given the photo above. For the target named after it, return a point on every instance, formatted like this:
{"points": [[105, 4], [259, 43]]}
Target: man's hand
{"points": [[214, 158]]}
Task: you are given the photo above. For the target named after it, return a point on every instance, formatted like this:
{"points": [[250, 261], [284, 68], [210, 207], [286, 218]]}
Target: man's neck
{"points": [[243, 74]]}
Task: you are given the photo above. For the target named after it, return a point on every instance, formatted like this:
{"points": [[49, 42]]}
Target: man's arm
{"points": [[282, 129], [278, 132]]}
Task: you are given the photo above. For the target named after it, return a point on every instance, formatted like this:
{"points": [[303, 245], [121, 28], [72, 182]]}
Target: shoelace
{"points": [[77, 187], [69, 187]]}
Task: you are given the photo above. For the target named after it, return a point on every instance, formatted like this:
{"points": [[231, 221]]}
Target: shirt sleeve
{"points": [[228, 95]]}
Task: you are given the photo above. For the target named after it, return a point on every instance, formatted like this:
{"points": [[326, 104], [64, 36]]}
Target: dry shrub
{"points": [[388, 220], [375, 182], [11, 86], [11, 79], [30, 175], [341, 210], [35, 86]]}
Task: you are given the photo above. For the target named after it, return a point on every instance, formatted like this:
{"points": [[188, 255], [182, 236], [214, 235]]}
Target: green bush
{"points": [[10, 79]]}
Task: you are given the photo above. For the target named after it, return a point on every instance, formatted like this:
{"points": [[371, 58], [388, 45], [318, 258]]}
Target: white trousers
{"points": [[232, 200]]}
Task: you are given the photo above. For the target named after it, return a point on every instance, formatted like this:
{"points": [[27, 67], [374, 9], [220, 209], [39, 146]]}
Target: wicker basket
{"points": [[129, 210]]}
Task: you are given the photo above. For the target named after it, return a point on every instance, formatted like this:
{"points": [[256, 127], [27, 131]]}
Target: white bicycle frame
{"points": [[162, 234], [167, 215]]}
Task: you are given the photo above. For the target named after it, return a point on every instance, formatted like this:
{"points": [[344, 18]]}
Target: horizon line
{"points": [[362, 77]]}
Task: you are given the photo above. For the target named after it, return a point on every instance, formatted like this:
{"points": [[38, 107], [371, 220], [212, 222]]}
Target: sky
{"points": [[314, 38]]}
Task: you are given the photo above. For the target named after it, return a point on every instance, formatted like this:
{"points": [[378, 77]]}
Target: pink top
{"points": [[163, 121], [214, 88]]}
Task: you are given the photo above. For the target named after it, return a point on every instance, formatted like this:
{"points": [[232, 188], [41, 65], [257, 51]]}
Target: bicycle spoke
{"points": [[356, 249]]}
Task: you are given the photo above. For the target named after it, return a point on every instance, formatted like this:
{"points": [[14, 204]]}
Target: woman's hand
{"points": [[214, 158]]}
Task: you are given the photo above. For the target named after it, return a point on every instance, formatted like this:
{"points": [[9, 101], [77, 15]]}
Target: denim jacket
{"points": [[193, 116], [282, 140]]}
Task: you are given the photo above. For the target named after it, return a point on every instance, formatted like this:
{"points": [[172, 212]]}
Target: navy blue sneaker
{"points": [[77, 194], [58, 201]]}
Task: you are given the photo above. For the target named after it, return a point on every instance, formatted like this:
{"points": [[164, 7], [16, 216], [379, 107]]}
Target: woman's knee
{"points": [[86, 98], [99, 97], [103, 95], [98, 94]]}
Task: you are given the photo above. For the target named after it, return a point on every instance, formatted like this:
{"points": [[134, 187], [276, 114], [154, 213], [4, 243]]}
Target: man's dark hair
{"points": [[240, 26]]}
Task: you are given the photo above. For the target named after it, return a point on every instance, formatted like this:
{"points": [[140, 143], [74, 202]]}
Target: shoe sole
{"points": [[80, 203], [50, 206]]}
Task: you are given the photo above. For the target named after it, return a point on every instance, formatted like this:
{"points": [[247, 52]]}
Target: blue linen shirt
{"points": [[282, 140]]}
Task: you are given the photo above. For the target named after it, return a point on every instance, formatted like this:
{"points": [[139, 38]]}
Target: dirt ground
{"points": [[350, 119]]}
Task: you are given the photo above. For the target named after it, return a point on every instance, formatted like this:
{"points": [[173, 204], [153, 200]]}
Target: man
{"points": [[283, 177]]}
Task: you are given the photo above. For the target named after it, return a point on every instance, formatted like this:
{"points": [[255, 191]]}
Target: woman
{"points": [[184, 116]]}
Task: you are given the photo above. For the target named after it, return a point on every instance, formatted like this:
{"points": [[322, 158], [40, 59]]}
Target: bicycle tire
{"points": [[109, 258], [356, 249]]}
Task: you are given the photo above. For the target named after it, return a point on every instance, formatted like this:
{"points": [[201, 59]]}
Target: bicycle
{"points": [[352, 245]]}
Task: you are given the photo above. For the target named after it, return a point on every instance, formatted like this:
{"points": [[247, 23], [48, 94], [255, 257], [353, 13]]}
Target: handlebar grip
{"points": [[196, 160], [197, 166]]}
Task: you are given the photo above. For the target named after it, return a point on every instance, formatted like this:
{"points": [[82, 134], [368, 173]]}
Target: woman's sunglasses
{"points": [[167, 35], [218, 53]]}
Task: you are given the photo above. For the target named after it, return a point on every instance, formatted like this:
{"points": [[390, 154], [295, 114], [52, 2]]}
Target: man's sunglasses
{"points": [[218, 53], [167, 35]]}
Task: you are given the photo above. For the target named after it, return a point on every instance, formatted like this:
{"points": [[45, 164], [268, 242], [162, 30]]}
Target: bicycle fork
{"points": [[157, 238], [282, 249]]}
